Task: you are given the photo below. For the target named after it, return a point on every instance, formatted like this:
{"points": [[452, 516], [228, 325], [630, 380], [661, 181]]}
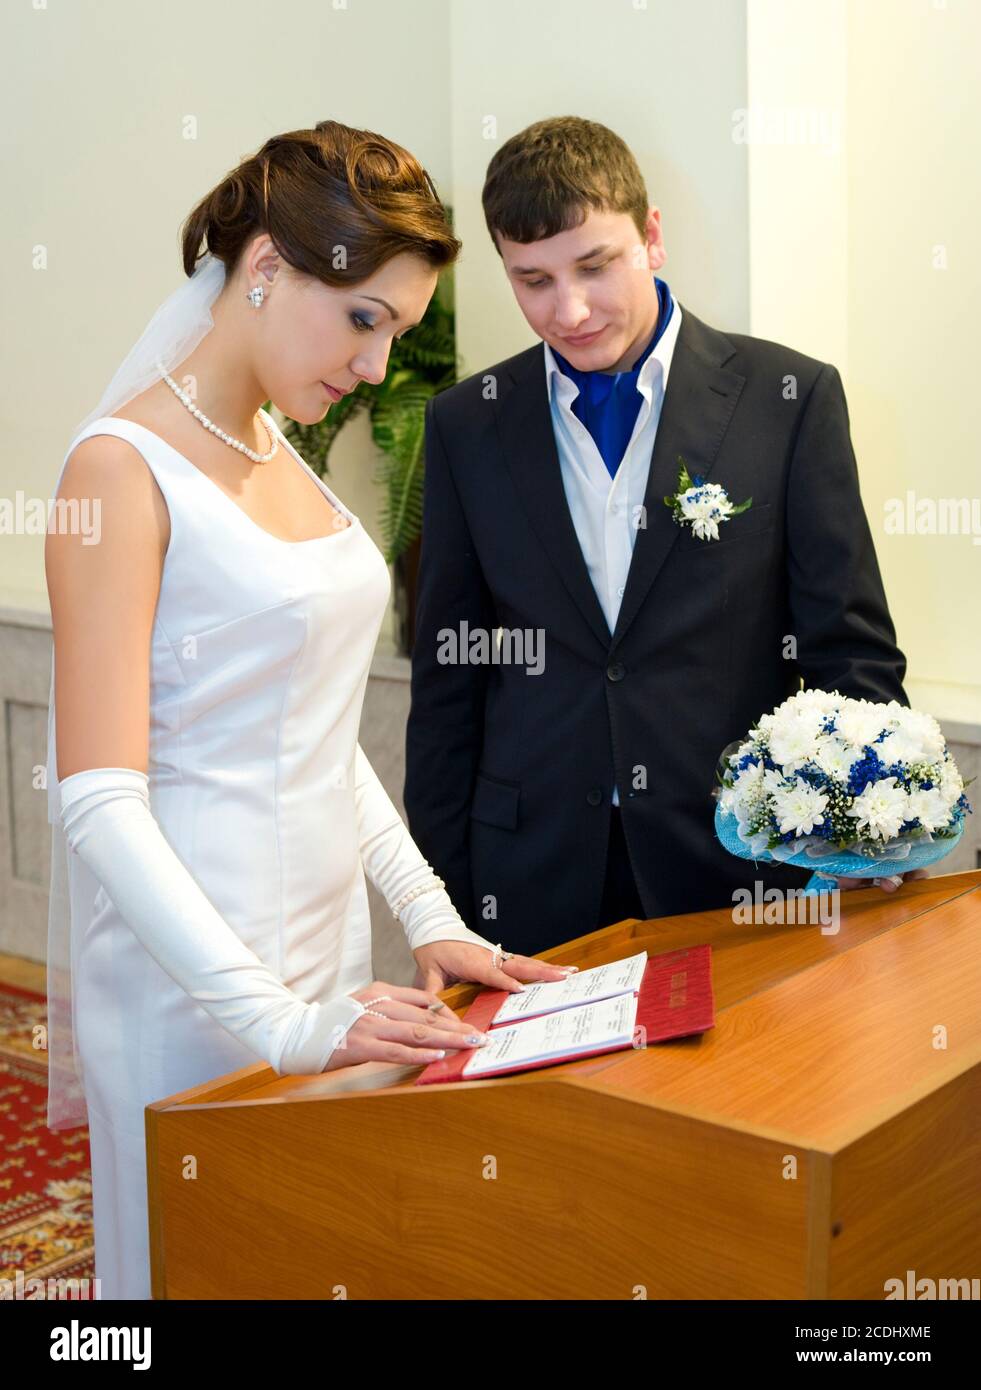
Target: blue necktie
{"points": [[608, 402]]}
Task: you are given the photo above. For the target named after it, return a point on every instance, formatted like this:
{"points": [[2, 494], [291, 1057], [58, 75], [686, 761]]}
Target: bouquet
{"points": [[846, 786]]}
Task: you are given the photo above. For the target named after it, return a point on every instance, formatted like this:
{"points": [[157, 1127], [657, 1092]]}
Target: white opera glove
{"points": [[395, 865], [109, 825]]}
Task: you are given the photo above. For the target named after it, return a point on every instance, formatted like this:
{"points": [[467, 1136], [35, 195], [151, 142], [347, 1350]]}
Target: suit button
{"points": [[594, 796], [616, 671]]}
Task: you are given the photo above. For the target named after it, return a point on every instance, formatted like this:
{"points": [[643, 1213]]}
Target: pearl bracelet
{"points": [[414, 893]]}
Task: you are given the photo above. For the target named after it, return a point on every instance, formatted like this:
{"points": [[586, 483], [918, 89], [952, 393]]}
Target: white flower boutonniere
{"points": [[702, 505]]}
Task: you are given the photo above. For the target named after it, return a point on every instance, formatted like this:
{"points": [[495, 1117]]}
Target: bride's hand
{"points": [[408, 1033], [443, 963]]}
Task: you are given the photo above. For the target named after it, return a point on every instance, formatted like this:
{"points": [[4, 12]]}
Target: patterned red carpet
{"points": [[45, 1182]]}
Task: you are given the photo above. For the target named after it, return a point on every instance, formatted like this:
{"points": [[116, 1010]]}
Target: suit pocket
{"points": [[495, 802], [754, 522]]}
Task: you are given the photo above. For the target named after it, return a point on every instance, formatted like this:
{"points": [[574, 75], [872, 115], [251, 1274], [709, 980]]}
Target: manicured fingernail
{"points": [[477, 1039], [569, 969], [441, 1052]]}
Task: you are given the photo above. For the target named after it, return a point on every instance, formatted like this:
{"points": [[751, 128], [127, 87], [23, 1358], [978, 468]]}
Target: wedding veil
{"points": [[173, 332]]}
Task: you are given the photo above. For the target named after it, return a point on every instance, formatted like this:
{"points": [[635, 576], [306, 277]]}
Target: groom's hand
{"points": [[443, 963], [888, 884]]}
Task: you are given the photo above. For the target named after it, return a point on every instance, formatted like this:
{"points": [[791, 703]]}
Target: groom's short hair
{"points": [[544, 179]]}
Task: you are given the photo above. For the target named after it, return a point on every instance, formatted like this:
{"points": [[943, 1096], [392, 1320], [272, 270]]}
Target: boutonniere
{"points": [[701, 505]]}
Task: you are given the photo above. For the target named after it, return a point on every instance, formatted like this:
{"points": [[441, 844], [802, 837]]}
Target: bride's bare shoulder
{"points": [[109, 473]]}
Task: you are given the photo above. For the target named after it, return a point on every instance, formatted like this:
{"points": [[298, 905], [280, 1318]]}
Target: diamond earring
{"points": [[256, 295]]}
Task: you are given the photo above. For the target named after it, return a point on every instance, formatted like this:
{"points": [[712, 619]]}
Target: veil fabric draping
{"points": [[175, 329]]}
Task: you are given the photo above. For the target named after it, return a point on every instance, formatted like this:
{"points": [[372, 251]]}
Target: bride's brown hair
{"points": [[337, 202]]}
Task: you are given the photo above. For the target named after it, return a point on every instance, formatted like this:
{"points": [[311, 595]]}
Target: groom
{"points": [[559, 773]]}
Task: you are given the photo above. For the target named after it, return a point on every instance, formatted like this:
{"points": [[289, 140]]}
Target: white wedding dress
{"points": [[259, 660]]}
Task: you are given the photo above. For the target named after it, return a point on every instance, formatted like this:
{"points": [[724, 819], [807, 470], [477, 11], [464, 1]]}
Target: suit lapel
{"points": [[698, 405], [532, 457]]}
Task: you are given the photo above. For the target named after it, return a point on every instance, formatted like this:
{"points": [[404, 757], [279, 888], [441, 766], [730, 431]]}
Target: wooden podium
{"points": [[824, 1137]]}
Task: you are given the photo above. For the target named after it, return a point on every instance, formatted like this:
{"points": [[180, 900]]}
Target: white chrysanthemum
{"points": [[705, 507], [859, 722], [834, 756], [775, 782], [827, 701], [951, 783], [880, 809], [924, 730], [892, 713], [749, 777], [794, 736], [930, 807], [747, 790], [900, 747], [799, 808]]}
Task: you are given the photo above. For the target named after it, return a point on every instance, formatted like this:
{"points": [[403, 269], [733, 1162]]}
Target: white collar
{"points": [[659, 357]]}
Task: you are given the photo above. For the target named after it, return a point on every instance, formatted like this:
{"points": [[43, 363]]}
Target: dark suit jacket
{"points": [[509, 775]]}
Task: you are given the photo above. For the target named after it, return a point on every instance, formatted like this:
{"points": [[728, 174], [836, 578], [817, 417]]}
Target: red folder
{"points": [[674, 1001]]}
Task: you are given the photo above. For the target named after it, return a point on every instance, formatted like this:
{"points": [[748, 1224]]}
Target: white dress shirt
{"points": [[605, 510]]}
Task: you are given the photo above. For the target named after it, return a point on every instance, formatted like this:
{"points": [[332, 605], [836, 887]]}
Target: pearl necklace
{"points": [[185, 399]]}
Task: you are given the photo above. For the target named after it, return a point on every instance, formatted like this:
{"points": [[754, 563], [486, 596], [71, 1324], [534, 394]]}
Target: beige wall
{"points": [[665, 76], [914, 287], [99, 98], [864, 252]]}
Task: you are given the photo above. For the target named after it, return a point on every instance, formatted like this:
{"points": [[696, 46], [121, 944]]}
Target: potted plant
{"points": [[420, 365]]}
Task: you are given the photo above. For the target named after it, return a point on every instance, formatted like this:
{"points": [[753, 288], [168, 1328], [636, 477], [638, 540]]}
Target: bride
{"points": [[213, 815]]}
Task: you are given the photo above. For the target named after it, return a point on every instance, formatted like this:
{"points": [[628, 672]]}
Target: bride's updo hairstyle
{"points": [[338, 203]]}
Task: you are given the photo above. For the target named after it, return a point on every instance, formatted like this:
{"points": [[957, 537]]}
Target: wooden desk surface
{"points": [[783, 991]]}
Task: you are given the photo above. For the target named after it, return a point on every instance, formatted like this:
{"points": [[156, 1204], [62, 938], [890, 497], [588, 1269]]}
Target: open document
{"points": [[627, 1003], [585, 987], [568, 1031]]}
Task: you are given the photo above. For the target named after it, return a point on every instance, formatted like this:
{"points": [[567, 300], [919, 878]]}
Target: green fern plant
{"points": [[420, 365]]}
